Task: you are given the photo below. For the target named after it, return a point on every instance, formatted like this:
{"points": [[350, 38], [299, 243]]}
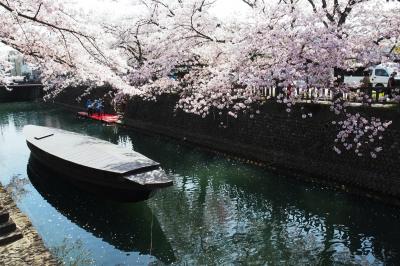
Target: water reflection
{"points": [[233, 212], [17, 187], [127, 227], [72, 253], [218, 212]]}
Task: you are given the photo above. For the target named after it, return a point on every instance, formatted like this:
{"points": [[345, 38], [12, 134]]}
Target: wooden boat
{"points": [[109, 118], [96, 163]]}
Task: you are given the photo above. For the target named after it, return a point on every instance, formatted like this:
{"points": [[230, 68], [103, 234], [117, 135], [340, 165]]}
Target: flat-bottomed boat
{"points": [[94, 162]]}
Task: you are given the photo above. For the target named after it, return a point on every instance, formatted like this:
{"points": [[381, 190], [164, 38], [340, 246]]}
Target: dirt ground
{"points": [[29, 250]]}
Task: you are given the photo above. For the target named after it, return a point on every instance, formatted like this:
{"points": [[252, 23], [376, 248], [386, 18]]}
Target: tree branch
{"points": [[37, 12]]}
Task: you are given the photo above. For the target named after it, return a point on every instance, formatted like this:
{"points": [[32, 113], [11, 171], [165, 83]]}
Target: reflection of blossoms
{"points": [[17, 187], [72, 252]]}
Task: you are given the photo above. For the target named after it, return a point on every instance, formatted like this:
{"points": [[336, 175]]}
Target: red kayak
{"points": [[109, 118]]}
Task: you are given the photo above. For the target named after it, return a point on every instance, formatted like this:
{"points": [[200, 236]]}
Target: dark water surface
{"points": [[218, 212]]}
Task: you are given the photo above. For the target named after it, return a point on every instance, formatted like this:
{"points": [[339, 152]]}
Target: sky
{"points": [[118, 8]]}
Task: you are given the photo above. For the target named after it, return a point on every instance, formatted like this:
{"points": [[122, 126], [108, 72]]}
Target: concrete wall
{"points": [[18, 93]]}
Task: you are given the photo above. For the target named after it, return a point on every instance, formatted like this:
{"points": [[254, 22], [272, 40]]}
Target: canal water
{"points": [[218, 212]]}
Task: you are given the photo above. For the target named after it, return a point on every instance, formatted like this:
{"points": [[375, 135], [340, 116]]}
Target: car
{"points": [[19, 79], [379, 75]]}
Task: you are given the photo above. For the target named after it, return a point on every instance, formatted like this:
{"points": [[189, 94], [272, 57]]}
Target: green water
{"points": [[219, 212]]}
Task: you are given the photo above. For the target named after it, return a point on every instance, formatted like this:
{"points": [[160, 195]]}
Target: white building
{"points": [[20, 67]]}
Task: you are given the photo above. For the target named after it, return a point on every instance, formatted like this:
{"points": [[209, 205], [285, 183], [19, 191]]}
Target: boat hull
{"points": [[108, 118], [92, 180], [94, 163]]}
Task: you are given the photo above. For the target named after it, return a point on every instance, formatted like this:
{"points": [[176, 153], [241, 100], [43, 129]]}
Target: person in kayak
{"points": [[99, 107], [89, 106]]}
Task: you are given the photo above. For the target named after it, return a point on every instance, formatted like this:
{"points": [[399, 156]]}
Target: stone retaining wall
{"points": [[284, 142]]}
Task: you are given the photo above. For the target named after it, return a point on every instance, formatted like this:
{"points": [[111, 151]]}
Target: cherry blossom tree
{"points": [[58, 39], [214, 64], [282, 43], [285, 44]]}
